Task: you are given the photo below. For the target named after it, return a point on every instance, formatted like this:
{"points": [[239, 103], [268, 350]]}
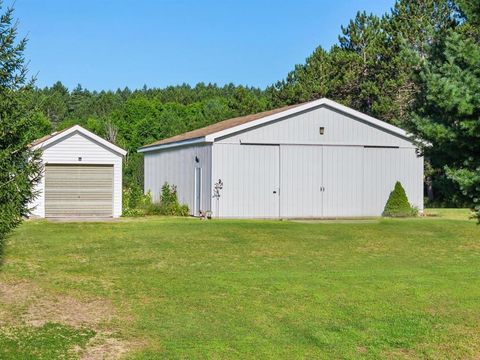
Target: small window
{"points": [[322, 130]]}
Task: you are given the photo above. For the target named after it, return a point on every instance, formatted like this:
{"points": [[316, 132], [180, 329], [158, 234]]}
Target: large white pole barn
{"points": [[313, 160]]}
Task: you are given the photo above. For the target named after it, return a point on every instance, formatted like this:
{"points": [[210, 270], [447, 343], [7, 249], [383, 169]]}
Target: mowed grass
{"points": [[185, 288]]}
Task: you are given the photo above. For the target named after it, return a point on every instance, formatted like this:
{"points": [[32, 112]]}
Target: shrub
{"points": [[135, 203], [397, 204], [129, 212], [153, 208], [169, 204]]}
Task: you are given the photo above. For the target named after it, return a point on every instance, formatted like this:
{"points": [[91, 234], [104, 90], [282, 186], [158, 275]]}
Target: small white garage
{"points": [[82, 175], [314, 160]]}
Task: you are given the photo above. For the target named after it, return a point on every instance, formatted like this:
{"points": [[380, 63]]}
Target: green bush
{"points": [[169, 204], [397, 204], [135, 203]]}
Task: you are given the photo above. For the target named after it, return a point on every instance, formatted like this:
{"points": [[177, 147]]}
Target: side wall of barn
{"points": [[177, 167]]}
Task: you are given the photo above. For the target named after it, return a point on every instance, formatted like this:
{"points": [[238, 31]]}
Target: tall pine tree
{"points": [[19, 167], [448, 114]]}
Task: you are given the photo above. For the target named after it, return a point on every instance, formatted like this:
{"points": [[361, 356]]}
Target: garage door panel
{"points": [[250, 181], [342, 181], [383, 168], [78, 190], [301, 181]]}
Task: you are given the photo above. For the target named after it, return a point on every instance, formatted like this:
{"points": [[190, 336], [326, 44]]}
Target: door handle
{"points": [[274, 191]]}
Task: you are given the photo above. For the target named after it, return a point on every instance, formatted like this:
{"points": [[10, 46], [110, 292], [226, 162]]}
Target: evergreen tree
{"points": [[54, 103], [448, 114], [362, 59], [309, 81], [19, 167], [373, 68]]}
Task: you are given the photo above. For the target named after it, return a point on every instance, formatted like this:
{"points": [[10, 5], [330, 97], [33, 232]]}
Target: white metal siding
{"points": [[68, 151], [382, 168], [342, 181], [356, 181], [301, 181], [250, 176], [304, 128], [321, 181], [291, 156], [177, 167]]}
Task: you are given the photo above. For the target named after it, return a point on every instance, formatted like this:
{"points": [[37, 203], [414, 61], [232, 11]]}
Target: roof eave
{"points": [[212, 137], [187, 142]]}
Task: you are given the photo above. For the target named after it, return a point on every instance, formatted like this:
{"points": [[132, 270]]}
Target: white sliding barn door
{"points": [[301, 181], [342, 181], [250, 176], [383, 168]]}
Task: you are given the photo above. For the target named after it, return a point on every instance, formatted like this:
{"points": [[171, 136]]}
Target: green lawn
{"points": [[184, 288]]}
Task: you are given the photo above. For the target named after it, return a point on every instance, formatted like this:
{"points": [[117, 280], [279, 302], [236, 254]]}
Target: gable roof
{"points": [[45, 141], [34, 143], [230, 126], [219, 126]]}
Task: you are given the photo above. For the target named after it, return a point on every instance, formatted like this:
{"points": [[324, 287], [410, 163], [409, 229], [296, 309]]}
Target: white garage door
{"points": [[78, 190]]}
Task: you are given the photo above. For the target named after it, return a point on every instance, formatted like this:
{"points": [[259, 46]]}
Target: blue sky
{"points": [[107, 44]]}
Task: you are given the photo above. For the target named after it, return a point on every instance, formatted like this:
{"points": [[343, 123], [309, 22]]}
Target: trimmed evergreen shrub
{"points": [[397, 204]]}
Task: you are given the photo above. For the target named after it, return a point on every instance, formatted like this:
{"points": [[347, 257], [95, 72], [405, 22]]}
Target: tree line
{"points": [[135, 118], [400, 67], [417, 67]]}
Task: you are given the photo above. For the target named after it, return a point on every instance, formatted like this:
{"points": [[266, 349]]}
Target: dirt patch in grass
{"points": [[362, 349], [16, 293], [36, 308], [104, 347], [42, 307], [68, 310], [475, 246]]}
